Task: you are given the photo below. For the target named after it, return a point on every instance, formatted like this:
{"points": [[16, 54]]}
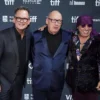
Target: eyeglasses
{"points": [[19, 19], [55, 20], [89, 25]]}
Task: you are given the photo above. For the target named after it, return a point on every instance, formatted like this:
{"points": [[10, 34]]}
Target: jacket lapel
{"points": [[64, 41], [46, 46], [28, 39], [14, 44]]}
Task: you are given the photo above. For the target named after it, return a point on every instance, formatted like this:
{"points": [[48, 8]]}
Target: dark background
{"points": [[39, 9]]}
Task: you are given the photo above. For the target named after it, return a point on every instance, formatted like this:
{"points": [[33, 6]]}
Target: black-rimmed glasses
{"points": [[19, 19], [89, 25], [55, 20]]}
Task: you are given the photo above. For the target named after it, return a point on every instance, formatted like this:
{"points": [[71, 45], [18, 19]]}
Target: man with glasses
{"points": [[49, 53], [14, 56]]}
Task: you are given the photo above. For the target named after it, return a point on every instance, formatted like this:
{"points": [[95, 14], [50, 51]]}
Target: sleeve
{"points": [[98, 56], [31, 49], [1, 47]]}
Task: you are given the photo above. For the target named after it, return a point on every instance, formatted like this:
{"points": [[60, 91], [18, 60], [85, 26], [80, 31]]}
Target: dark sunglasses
{"points": [[89, 25]]}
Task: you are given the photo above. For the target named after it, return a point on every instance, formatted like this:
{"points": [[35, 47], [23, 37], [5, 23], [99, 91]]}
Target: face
{"points": [[54, 22], [21, 20], [84, 30]]}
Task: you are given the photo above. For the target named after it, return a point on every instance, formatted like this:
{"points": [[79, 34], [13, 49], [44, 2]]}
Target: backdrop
{"points": [[39, 9]]}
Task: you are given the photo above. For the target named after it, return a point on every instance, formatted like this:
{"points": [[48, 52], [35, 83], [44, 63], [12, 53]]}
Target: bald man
{"points": [[49, 53]]}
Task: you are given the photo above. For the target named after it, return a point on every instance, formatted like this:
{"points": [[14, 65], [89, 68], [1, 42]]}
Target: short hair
{"points": [[21, 8]]}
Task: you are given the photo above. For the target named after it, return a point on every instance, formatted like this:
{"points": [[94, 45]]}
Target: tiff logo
{"points": [[67, 65], [9, 2], [32, 1], [73, 2], [28, 96], [54, 2], [68, 97], [33, 18], [29, 80], [97, 3], [6, 18], [97, 20], [74, 19], [30, 65]]}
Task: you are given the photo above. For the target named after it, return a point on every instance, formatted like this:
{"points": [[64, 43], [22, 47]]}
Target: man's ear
{"points": [[29, 21], [46, 21], [13, 20]]}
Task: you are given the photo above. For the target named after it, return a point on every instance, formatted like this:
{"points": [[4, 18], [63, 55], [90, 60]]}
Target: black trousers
{"points": [[15, 90], [85, 96], [47, 94]]}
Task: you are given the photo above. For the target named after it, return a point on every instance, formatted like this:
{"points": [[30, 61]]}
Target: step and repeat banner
{"points": [[39, 9]]}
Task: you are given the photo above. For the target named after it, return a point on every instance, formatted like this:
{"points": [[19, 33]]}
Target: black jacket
{"points": [[83, 75], [9, 60]]}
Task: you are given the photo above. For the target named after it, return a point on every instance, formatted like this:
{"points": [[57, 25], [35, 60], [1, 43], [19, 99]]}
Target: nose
{"points": [[21, 20], [86, 27], [56, 23]]}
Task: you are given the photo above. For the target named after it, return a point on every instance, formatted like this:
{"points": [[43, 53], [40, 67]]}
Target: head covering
{"points": [[86, 20]]}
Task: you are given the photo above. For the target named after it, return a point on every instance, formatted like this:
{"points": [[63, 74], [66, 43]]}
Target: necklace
{"points": [[82, 43]]}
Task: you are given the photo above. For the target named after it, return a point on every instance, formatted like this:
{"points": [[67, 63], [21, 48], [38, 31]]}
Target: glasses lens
{"points": [[89, 25], [83, 25], [21, 19]]}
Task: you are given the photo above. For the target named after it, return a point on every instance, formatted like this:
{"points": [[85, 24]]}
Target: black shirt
{"points": [[53, 41], [21, 43]]}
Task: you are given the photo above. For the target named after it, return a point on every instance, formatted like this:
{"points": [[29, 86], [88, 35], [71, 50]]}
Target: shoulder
{"points": [[66, 34], [36, 35], [97, 38], [36, 32], [6, 31]]}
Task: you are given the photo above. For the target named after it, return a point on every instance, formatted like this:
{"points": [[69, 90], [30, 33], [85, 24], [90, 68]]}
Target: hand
{"points": [[0, 88], [98, 86], [42, 28]]}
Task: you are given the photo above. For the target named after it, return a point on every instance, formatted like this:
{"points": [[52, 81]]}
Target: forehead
{"points": [[22, 13], [55, 15]]}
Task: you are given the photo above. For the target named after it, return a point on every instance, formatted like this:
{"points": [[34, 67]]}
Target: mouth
{"points": [[86, 32], [56, 28], [21, 24]]}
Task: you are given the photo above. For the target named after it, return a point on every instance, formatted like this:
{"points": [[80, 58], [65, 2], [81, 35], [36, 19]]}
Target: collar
{"points": [[17, 34], [46, 33]]}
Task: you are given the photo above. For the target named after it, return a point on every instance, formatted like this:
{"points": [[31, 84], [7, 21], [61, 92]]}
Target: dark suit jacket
{"points": [[48, 71], [83, 75], [9, 60]]}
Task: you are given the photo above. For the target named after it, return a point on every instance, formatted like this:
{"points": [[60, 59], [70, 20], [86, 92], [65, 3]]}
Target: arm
{"points": [[1, 49], [42, 27], [31, 49], [1, 45], [98, 60]]}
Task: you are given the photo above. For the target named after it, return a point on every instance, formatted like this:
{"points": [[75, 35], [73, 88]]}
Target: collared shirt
{"points": [[53, 41], [21, 43]]}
